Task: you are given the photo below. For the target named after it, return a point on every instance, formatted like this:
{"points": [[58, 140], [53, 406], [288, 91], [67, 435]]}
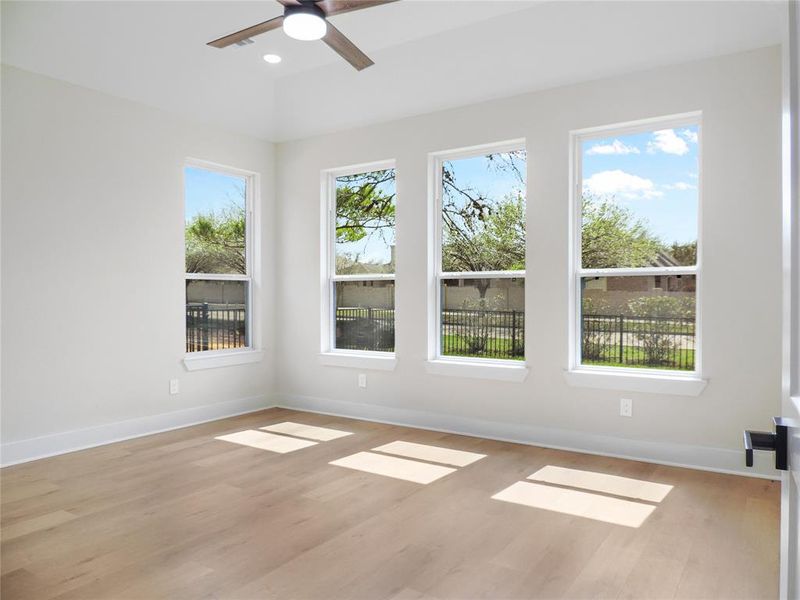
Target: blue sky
{"points": [[478, 173], [209, 191], [653, 174]]}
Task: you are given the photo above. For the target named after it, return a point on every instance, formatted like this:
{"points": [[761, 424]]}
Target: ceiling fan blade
{"points": [[337, 7], [244, 34], [346, 49]]}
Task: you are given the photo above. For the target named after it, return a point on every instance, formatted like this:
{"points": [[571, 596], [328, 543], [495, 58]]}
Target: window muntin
{"points": [[636, 272], [480, 254], [361, 260], [217, 209]]}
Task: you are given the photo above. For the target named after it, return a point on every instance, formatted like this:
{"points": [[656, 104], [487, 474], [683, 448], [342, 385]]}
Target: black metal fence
{"points": [[654, 342], [613, 340], [484, 333], [215, 326], [616, 340], [365, 329], [489, 334]]}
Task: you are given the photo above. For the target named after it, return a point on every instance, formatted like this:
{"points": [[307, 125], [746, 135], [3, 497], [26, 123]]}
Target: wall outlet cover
{"points": [[625, 407]]}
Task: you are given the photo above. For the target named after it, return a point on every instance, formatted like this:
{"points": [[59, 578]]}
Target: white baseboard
{"points": [[718, 460], [79, 439]]}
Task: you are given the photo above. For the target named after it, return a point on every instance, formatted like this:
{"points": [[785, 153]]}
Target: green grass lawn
{"points": [[634, 357], [456, 345]]}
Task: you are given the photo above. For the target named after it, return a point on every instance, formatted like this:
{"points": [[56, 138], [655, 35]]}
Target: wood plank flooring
{"points": [[182, 515]]}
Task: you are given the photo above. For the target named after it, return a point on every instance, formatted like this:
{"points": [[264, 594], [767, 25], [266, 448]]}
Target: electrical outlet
{"points": [[174, 387], [362, 380], [625, 407]]}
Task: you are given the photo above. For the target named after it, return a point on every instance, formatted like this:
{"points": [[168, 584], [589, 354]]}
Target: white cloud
{"points": [[680, 185], [615, 147], [693, 175], [689, 135], [620, 183], [668, 142]]}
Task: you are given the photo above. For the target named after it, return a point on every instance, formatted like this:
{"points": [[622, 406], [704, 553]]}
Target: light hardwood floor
{"points": [[182, 515]]}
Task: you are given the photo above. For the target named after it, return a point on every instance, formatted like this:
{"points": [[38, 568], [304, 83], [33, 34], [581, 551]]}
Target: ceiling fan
{"points": [[308, 20]]}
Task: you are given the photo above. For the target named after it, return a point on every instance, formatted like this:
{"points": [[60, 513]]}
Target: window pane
{"points": [[364, 315], [483, 213], [639, 321], [483, 318], [216, 315], [640, 199], [365, 207], [215, 215]]}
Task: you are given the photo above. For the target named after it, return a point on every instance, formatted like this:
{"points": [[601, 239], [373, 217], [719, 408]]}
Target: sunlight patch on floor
{"points": [[312, 432], [447, 456], [579, 504], [389, 466], [266, 441], [601, 482]]}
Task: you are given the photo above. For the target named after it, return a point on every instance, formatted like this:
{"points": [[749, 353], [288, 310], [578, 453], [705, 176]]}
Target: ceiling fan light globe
{"points": [[305, 26]]}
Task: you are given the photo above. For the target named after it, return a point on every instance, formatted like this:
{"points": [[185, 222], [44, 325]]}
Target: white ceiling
{"points": [[429, 54]]}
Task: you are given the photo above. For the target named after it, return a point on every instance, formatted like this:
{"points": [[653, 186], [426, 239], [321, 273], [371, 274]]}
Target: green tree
{"points": [[684, 254], [660, 345], [365, 208], [480, 232], [611, 237], [496, 242], [215, 242]]}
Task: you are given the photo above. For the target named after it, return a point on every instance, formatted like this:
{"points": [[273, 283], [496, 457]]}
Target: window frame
{"points": [[329, 354], [438, 363], [578, 272], [251, 352]]}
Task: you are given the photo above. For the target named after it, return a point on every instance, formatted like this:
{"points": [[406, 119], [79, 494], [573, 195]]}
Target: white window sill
{"points": [[675, 385], [212, 360], [477, 370], [375, 361]]}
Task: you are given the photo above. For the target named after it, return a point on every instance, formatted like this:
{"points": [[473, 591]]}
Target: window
{"points": [[479, 261], [219, 258], [636, 273], [360, 262]]}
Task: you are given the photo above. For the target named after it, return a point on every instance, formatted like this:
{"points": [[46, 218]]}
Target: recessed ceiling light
{"points": [[272, 59]]}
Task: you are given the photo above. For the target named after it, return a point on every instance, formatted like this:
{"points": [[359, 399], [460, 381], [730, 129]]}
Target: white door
{"points": [[790, 405], [790, 517]]}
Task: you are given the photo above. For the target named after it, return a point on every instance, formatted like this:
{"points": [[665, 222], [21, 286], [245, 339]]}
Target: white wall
{"points": [[740, 99], [92, 263], [92, 209]]}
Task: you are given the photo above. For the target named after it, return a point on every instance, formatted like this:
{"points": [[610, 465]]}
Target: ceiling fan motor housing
{"points": [[309, 7]]}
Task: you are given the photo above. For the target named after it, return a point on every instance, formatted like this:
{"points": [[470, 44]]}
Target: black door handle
{"points": [[776, 442]]}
